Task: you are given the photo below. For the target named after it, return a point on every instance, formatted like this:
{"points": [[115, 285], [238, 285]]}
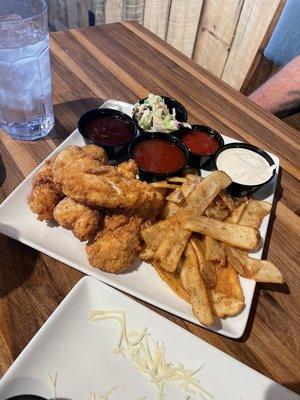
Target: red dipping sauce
{"points": [[158, 156], [109, 131], [201, 143]]}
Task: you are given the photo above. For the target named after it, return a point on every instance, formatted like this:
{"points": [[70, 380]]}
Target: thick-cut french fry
{"points": [[191, 171], [225, 201], [194, 285], [176, 196], [172, 246], [176, 179], [240, 236], [216, 212], [204, 193], [237, 259], [223, 306], [228, 283], [187, 187], [259, 270], [164, 185], [170, 210], [254, 213], [207, 268], [154, 234], [194, 177], [214, 251], [146, 254], [237, 212], [173, 280], [176, 237], [169, 252], [265, 271], [227, 297]]}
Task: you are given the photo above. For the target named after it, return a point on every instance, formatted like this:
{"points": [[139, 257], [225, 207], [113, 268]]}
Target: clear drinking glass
{"points": [[26, 110]]}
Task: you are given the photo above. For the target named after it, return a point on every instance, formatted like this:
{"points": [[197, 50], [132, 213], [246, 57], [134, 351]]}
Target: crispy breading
{"points": [[82, 220], [44, 195], [87, 180], [128, 169], [117, 246]]}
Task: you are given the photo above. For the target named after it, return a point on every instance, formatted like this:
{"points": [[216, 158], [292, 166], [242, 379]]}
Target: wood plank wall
{"points": [[225, 37]]}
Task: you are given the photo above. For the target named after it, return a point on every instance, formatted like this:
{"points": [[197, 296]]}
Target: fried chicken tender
{"points": [[84, 178], [44, 195], [82, 220], [128, 169], [74, 160], [117, 246]]}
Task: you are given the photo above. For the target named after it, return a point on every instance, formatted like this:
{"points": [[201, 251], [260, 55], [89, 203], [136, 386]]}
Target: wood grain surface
{"points": [[125, 62]]}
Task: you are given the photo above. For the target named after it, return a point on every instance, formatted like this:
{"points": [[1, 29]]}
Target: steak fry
{"points": [[254, 213], [214, 251], [173, 280], [240, 236], [259, 270], [194, 285], [207, 267], [170, 250]]}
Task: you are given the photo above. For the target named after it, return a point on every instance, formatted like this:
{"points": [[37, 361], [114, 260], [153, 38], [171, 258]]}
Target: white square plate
{"points": [[18, 222], [80, 352]]}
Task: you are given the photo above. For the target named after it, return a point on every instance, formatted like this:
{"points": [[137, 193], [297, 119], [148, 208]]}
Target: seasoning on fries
{"points": [[201, 246]]}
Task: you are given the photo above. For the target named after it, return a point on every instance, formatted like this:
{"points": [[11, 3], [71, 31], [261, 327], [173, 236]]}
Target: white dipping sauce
{"points": [[244, 166]]}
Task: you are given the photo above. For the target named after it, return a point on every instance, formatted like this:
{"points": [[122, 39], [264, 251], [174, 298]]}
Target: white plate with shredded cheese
{"points": [[141, 281], [101, 345]]}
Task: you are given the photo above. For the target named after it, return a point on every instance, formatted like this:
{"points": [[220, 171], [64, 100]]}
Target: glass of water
{"points": [[26, 110]]}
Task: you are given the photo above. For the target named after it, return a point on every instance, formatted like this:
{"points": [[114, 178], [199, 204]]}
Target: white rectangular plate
{"points": [[80, 352], [18, 222]]}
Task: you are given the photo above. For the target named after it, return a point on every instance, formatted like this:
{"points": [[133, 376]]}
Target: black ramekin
{"points": [[150, 176], [203, 161], [26, 397], [181, 113], [237, 189], [114, 152]]}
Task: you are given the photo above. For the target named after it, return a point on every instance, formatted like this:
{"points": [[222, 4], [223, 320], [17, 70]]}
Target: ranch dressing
{"points": [[244, 166]]}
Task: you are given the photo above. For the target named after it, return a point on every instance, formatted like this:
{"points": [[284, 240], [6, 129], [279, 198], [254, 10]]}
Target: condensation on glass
{"points": [[26, 110]]}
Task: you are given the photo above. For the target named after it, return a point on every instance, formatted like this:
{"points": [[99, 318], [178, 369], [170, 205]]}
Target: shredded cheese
{"points": [[150, 359], [53, 380], [114, 388]]}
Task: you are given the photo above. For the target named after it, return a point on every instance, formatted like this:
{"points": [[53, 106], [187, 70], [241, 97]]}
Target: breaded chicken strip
{"points": [[44, 195], [128, 169], [117, 246], [87, 180], [74, 160], [82, 220]]}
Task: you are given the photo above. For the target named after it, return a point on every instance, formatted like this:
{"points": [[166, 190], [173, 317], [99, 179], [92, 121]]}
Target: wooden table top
{"points": [[126, 62]]}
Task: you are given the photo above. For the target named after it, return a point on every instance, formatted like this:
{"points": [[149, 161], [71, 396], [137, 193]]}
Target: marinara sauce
{"points": [[109, 131], [201, 143], [158, 156]]}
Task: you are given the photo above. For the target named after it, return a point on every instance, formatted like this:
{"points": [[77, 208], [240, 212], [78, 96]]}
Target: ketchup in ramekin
{"points": [[202, 142], [158, 155]]}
